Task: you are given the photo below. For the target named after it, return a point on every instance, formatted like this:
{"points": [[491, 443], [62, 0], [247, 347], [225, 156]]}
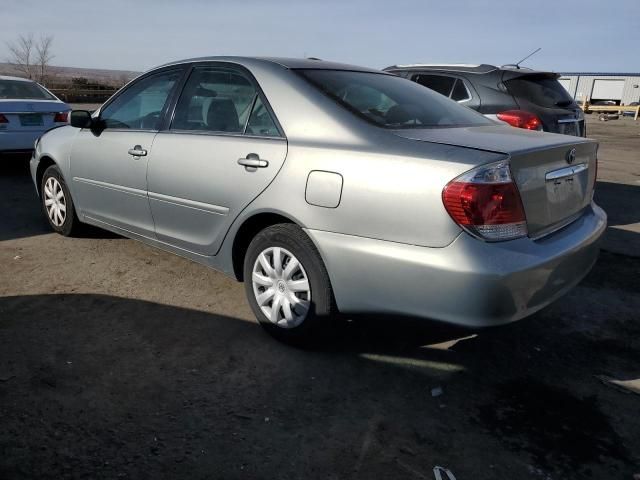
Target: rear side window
{"points": [[260, 122], [439, 83], [23, 90], [214, 100], [539, 90], [390, 101], [451, 87], [219, 100], [460, 92]]}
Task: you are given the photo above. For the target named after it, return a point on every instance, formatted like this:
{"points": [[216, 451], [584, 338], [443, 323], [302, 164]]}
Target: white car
{"points": [[27, 110]]}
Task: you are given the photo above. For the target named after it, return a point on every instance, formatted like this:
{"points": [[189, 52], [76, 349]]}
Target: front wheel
{"points": [[57, 204], [287, 285]]}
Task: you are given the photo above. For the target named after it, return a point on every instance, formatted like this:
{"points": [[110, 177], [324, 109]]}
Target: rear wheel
{"points": [[57, 204], [287, 285]]}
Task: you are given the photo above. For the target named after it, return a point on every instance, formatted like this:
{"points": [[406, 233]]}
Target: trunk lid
{"points": [[30, 115], [555, 174]]}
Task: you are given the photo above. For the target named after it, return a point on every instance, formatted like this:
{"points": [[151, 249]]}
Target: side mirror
{"points": [[80, 119]]}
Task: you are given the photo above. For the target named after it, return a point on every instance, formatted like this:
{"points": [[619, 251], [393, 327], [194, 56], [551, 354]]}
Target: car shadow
{"points": [[22, 215], [136, 389]]}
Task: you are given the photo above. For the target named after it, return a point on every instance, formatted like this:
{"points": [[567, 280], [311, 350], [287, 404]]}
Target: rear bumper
{"points": [[12, 141], [469, 282]]}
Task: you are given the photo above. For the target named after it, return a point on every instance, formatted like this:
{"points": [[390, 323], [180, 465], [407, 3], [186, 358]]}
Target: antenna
{"points": [[530, 55]]}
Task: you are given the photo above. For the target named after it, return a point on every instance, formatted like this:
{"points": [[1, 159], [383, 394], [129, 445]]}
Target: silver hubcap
{"points": [[54, 201], [281, 287]]}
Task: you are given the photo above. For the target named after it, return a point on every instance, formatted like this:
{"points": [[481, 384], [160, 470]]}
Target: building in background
{"points": [[621, 88]]}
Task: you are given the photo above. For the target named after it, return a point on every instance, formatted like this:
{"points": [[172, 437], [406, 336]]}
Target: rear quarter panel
{"points": [[391, 193]]}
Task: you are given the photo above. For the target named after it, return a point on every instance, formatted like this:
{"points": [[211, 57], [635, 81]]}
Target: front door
{"points": [[109, 162], [222, 149]]}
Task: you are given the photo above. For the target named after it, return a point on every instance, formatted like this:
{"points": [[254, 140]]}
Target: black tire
{"points": [[318, 321], [71, 224]]}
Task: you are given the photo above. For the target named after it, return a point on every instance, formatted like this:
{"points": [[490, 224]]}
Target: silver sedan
{"points": [[329, 189]]}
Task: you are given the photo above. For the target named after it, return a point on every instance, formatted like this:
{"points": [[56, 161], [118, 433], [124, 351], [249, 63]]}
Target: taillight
{"points": [[3, 119], [486, 203], [61, 117], [521, 119]]}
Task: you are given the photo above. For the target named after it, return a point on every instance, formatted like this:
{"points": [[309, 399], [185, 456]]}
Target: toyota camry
{"points": [[330, 189]]}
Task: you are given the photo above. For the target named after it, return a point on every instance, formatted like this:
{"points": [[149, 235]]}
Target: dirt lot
{"points": [[121, 361]]}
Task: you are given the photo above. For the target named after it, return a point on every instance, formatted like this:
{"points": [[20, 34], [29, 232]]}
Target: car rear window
{"points": [[390, 101], [22, 90], [539, 90]]}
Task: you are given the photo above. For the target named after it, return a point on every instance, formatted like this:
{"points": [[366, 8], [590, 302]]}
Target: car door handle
{"points": [[137, 151], [253, 161]]}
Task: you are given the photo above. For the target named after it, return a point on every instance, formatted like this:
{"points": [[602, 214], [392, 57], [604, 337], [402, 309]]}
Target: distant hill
{"points": [[66, 74]]}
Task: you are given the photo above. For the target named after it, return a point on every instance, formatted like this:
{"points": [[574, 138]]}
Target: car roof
{"points": [[7, 77], [289, 63], [482, 68], [447, 67]]}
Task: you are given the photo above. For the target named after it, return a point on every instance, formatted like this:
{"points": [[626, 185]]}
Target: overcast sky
{"points": [[587, 35]]}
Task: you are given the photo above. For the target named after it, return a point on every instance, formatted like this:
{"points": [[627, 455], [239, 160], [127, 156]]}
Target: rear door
{"points": [[109, 163], [222, 149]]}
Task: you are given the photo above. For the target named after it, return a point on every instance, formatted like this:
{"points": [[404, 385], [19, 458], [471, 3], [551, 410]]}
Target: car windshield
{"points": [[540, 90], [392, 102], [23, 90]]}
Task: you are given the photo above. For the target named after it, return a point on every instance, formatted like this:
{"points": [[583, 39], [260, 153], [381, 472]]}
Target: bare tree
{"points": [[43, 57], [21, 55], [30, 57], [123, 79]]}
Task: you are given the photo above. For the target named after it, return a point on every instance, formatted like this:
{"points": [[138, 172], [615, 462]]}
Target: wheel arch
{"points": [[44, 163], [247, 231]]}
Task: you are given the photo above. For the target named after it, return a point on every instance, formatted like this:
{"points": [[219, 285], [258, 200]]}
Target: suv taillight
{"points": [[486, 203], [3, 119], [61, 117], [521, 119]]}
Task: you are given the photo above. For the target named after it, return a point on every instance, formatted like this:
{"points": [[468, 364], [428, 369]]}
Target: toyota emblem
{"points": [[571, 156]]}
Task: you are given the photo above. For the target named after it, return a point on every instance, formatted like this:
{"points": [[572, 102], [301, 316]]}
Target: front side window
{"points": [[23, 90], [141, 105], [215, 100], [390, 101]]}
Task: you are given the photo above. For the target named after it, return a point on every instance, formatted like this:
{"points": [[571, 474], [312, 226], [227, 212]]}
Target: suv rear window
{"points": [[390, 101], [23, 90], [539, 90]]}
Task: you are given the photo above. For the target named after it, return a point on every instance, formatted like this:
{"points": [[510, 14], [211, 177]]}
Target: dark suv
{"points": [[518, 96]]}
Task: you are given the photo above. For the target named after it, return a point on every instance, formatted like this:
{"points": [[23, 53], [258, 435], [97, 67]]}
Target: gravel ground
{"points": [[121, 361]]}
